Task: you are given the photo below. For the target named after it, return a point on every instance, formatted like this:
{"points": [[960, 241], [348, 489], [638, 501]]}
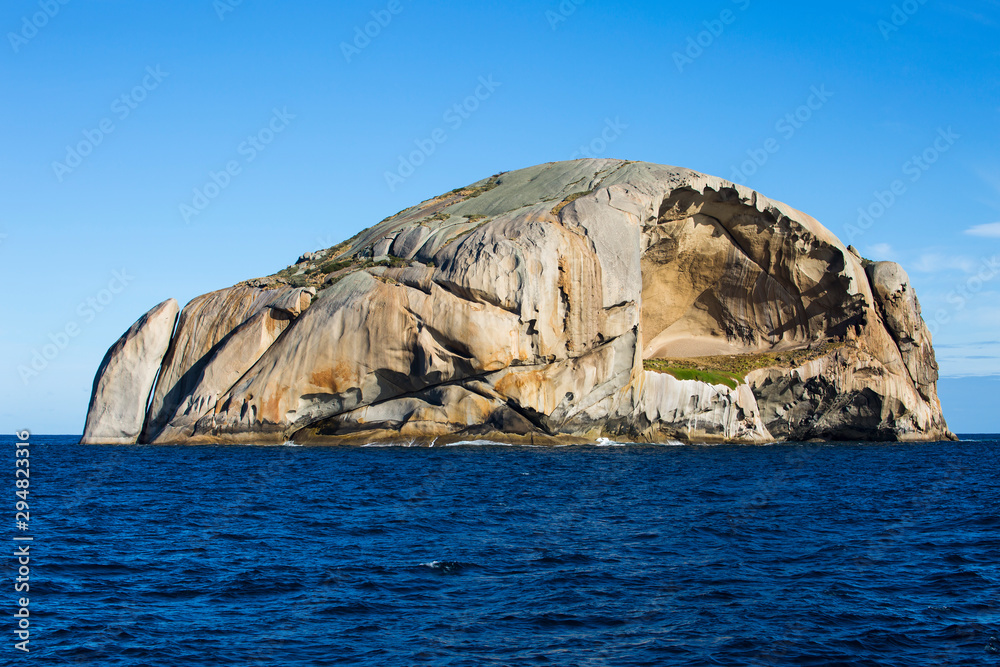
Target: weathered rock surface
{"points": [[692, 410], [126, 376], [900, 310], [202, 325], [222, 367], [523, 307]]}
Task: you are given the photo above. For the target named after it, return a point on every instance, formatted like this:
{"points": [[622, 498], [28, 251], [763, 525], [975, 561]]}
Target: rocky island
{"points": [[565, 302]]}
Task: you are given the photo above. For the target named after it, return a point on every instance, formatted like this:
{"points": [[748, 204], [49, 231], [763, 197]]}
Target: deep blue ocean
{"points": [[795, 554]]}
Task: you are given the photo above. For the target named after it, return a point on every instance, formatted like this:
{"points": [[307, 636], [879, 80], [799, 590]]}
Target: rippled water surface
{"points": [[800, 554]]}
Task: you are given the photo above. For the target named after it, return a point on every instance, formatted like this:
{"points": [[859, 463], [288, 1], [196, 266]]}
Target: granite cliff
{"points": [[565, 302]]}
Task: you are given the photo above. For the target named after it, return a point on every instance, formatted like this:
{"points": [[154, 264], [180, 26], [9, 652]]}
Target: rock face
{"points": [[126, 376], [204, 324], [530, 307], [218, 370], [900, 310]]}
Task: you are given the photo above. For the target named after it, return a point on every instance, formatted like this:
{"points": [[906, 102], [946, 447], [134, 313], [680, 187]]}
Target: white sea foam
{"points": [[480, 443], [601, 442]]}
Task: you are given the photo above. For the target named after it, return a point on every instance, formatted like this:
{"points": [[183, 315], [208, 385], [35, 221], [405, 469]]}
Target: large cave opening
{"points": [[722, 277]]}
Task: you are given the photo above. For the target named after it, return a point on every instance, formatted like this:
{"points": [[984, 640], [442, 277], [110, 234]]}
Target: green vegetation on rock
{"points": [[462, 235], [682, 373], [732, 370], [569, 200], [333, 267], [470, 192]]}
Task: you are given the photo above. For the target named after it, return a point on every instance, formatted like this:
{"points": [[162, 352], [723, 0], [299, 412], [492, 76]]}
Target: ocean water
{"points": [[794, 554]]}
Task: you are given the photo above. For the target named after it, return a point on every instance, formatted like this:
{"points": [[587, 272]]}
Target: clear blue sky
{"points": [[201, 77]]}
